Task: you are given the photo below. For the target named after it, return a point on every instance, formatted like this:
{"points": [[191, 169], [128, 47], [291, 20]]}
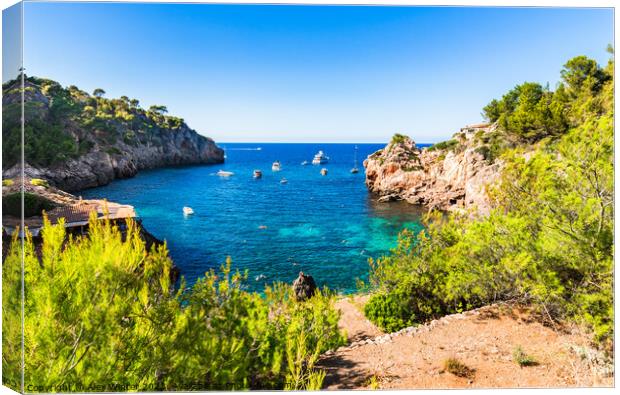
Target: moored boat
{"points": [[355, 169], [323, 171], [320, 158], [188, 211], [276, 166], [258, 174], [305, 163], [223, 173], [283, 181]]}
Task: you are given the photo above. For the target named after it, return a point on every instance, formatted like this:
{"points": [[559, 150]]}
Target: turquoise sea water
{"points": [[327, 226]]}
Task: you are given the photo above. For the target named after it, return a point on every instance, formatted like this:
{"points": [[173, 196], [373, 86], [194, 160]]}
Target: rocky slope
{"points": [[452, 176], [76, 140]]}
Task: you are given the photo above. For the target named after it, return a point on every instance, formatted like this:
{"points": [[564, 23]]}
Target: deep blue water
{"points": [[327, 226]]}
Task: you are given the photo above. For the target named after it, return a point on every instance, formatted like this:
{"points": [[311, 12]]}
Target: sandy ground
{"points": [[484, 340]]}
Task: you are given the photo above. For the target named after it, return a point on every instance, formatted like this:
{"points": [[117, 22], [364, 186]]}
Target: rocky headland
{"points": [[76, 140], [449, 176]]}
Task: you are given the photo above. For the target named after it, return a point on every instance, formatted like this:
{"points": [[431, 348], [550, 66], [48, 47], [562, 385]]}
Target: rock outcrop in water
{"points": [[76, 140], [452, 176], [304, 287]]}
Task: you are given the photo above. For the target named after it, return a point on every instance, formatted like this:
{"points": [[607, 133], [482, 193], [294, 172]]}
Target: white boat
{"points": [[187, 211], [283, 181], [258, 174], [223, 173], [305, 163], [323, 171], [355, 169], [276, 166], [320, 158]]}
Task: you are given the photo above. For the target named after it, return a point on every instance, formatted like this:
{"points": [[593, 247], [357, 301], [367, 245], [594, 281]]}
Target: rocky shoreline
{"points": [[99, 168], [452, 178], [109, 139]]}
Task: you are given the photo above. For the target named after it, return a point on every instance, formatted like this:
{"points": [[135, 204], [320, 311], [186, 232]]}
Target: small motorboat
{"points": [[305, 163], [188, 211], [323, 171], [320, 158], [223, 173], [283, 181], [258, 174], [276, 166]]}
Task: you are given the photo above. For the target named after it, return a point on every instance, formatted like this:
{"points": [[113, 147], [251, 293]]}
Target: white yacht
{"points": [[323, 171], [223, 173], [258, 174], [276, 166], [188, 211], [320, 158]]}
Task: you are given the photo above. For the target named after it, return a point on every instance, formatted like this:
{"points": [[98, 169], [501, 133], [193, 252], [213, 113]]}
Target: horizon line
{"points": [[310, 142]]}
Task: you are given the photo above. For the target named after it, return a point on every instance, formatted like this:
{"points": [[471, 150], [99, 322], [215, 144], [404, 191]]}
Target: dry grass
{"points": [[373, 383], [458, 368]]}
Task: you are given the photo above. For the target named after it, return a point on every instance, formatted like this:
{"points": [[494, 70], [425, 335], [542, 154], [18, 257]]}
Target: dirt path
{"points": [[483, 340], [353, 321]]}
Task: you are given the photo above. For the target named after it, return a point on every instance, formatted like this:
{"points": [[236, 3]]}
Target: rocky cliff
{"points": [[450, 176], [76, 140]]}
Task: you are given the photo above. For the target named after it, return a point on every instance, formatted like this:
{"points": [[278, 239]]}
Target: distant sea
{"points": [[326, 226]]}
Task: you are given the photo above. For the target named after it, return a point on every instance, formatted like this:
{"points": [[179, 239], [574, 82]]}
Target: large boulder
{"points": [[304, 287]]}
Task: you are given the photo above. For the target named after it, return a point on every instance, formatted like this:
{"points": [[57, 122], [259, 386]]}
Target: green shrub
{"points": [[373, 383], [388, 312], [113, 151], [398, 138], [444, 145], [101, 309], [130, 137], [522, 359], [485, 151], [45, 142], [85, 146], [39, 182], [33, 204], [413, 168]]}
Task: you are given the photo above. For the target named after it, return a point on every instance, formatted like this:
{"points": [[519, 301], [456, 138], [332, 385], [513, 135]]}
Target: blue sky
{"points": [[309, 73]]}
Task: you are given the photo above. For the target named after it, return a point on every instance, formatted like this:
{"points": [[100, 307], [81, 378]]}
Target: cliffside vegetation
{"points": [[531, 112], [63, 123], [101, 315], [33, 204], [549, 239]]}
